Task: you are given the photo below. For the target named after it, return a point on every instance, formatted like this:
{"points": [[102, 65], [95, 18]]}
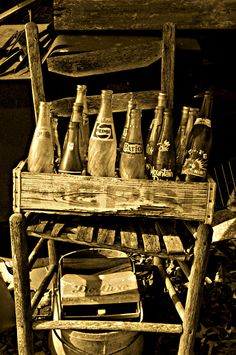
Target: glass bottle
{"points": [[70, 161], [181, 138], [154, 130], [132, 163], [132, 103], [84, 129], [199, 145], [102, 143], [163, 167], [41, 152]]}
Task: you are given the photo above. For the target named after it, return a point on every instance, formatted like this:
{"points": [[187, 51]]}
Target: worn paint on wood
{"points": [[132, 197]]}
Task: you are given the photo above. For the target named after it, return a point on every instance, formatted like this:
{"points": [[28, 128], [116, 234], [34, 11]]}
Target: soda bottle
{"points": [[181, 138], [41, 152], [132, 103], [71, 162], [84, 129], [199, 145], [132, 163], [154, 130], [102, 143], [163, 167]]}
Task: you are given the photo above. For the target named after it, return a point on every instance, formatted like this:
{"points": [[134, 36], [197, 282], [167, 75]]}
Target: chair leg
{"points": [[21, 284], [195, 289]]}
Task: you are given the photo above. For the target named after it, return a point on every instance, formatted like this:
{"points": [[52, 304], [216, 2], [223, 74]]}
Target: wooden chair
{"points": [[156, 201]]}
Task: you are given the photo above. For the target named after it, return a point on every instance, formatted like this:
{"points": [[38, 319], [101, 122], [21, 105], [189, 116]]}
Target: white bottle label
{"points": [[71, 146], [204, 121], [103, 131], [161, 173], [133, 148]]}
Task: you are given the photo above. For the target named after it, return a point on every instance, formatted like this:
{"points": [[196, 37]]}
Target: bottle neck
{"points": [[167, 127], [105, 110], [81, 92], [77, 113], [206, 108], [162, 99], [134, 131], [184, 117], [44, 115]]}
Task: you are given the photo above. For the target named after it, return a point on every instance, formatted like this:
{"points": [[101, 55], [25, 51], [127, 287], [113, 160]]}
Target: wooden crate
{"points": [[86, 195]]}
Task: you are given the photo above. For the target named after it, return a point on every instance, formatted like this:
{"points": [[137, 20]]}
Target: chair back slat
{"points": [[146, 100], [95, 15]]}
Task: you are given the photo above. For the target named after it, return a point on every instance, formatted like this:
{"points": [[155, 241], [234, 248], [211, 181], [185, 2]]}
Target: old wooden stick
{"points": [[35, 66], [21, 284], [195, 288]]}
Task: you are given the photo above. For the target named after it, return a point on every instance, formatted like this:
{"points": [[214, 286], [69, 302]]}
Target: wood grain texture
{"points": [[35, 67], [143, 15], [21, 284], [195, 289], [108, 325], [109, 60], [168, 63], [90, 195], [146, 99]]}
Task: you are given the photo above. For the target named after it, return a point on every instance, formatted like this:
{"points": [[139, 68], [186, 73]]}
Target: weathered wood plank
{"points": [[143, 15], [171, 239], [134, 197], [151, 242], [108, 325], [173, 244], [57, 228], [35, 67], [106, 235], [146, 99], [195, 289], [129, 238], [21, 284], [109, 60], [71, 238], [85, 233], [168, 63]]}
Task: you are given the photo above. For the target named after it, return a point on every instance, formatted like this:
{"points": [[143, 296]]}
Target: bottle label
{"points": [[149, 149], [133, 148], [124, 134], [41, 134], [196, 163], [204, 121], [71, 146], [103, 131], [159, 174], [164, 146]]}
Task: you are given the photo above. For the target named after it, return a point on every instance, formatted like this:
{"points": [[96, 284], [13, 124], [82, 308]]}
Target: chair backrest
{"points": [[95, 15]]}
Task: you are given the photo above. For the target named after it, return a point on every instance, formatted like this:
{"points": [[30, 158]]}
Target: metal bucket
{"points": [[73, 342]]}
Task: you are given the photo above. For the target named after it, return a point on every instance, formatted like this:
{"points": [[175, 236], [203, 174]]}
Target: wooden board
{"points": [[147, 100], [132, 197], [108, 60], [173, 243], [92, 15]]}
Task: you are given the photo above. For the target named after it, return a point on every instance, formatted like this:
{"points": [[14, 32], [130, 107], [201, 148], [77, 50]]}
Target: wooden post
{"points": [[194, 295], [35, 66], [168, 62], [21, 284]]}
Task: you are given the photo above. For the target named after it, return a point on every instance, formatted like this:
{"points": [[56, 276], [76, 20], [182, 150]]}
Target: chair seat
{"points": [[152, 237]]}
